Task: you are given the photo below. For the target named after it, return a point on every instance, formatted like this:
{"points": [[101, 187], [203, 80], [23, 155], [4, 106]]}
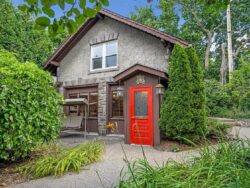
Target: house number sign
{"points": [[140, 79]]}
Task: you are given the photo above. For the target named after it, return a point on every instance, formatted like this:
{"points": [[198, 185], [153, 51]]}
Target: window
{"points": [[97, 57], [117, 105], [73, 109], [85, 96], [104, 56], [93, 104], [141, 103]]}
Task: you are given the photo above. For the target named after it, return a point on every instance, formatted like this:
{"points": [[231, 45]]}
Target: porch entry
{"points": [[141, 115]]}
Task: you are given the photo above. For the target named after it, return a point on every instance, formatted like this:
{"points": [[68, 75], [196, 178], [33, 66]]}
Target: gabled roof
{"points": [[69, 43], [133, 70]]}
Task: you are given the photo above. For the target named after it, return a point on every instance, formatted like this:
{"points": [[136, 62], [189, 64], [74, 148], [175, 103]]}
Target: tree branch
{"points": [[199, 24], [237, 51]]}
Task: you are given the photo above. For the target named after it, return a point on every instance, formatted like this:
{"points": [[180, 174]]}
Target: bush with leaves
{"points": [[30, 107], [198, 91], [218, 100], [239, 86], [176, 119]]}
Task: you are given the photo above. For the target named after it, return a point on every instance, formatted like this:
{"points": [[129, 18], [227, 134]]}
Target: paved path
{"points": [[108, 168]]}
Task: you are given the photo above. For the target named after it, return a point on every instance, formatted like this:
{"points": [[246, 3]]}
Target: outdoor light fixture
{"points": [[160, 89], [120, 91]]}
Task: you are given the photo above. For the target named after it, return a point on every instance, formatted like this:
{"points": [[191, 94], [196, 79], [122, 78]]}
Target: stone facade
{"points": [[134, 47]]}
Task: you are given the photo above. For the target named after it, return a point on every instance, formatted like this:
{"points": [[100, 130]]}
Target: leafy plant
{"points": [[218, 100], [174, 148], [19, 35], [223, 165], [74, 13], [198, 94], [30, 107], [217, 128], [61, 160], [183, 114]]}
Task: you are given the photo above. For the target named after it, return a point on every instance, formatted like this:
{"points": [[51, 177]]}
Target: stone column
{"points": [[102, 106]]}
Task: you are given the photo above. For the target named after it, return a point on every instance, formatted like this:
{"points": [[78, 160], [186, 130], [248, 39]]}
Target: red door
{"points": [[141, 115]]}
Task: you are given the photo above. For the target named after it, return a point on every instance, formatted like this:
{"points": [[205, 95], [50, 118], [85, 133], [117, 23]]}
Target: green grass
{"points": [[55, 160], [226, 165]]}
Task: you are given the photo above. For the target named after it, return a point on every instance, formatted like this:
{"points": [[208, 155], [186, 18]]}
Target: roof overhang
{"points": [[137, 68], [70, 42]]}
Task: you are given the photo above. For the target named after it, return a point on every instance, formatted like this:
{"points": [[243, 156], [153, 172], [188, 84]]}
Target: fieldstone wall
{"points": [[102, 106]]}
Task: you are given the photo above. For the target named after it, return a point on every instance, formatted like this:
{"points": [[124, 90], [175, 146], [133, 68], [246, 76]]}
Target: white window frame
{"points": [[104, 45]]}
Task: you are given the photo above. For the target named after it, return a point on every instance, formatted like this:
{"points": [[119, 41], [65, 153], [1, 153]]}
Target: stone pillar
{"points": [[102, 102]]}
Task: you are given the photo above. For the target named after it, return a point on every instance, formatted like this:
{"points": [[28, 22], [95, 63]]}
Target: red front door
{"points": [[141, 115]]}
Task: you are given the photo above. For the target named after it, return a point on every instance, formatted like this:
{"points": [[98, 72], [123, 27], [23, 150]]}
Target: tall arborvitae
{"points": [[176, 119], [199, 103]]}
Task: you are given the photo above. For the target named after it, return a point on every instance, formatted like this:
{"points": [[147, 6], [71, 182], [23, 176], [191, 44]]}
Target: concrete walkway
{"points": [[108, 168]]}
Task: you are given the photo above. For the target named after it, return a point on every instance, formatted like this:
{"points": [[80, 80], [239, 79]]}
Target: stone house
{"points": [[119, 66]]}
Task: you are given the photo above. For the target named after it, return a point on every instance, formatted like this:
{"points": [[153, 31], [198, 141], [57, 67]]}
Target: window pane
{"points": [[73, 109], [111, 61], [141, 103], [117, 104], [93, 104], [82, 108], [111, 48], [97, 51], [97, 63]]}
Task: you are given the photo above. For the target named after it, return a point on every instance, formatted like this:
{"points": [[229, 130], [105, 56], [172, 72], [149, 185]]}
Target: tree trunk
{"points": [[229, 44], [207, 53], [223, 67]]}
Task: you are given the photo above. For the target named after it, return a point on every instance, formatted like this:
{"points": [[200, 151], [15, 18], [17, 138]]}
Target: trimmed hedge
{"points": [[30, 107], [176, 119], [183, 114]]}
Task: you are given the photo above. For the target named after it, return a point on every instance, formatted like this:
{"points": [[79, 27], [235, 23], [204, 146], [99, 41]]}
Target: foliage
{"points": [[18, 35], [30, 107], [61, 160], [167, 21], [198, 91], [74, 13], [240, 84], [231, 100], [176, 111], [223, 165], [145, 15], [217, 128], [218, 100], [213, 71]]}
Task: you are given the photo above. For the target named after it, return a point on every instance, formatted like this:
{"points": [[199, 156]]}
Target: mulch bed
{"points": [[8, 174], [175, 146]]}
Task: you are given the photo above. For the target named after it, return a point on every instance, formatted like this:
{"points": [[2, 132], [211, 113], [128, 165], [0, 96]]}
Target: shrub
{"points": [[245, 102], [217, 128], [176, 112], [223, 165], [30, 107], [61, 160], [218, 100], [198, 94]]}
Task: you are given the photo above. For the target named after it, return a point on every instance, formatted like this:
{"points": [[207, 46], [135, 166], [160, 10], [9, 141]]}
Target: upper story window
{"points": [[104, 56]]}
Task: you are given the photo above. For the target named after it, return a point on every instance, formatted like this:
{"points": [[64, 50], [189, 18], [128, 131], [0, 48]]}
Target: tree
{"points": [[30, 110], [201, 25], [167, 21], [73, 13], [176, 120], [198, 91], [145, 15], [18, 35]]}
